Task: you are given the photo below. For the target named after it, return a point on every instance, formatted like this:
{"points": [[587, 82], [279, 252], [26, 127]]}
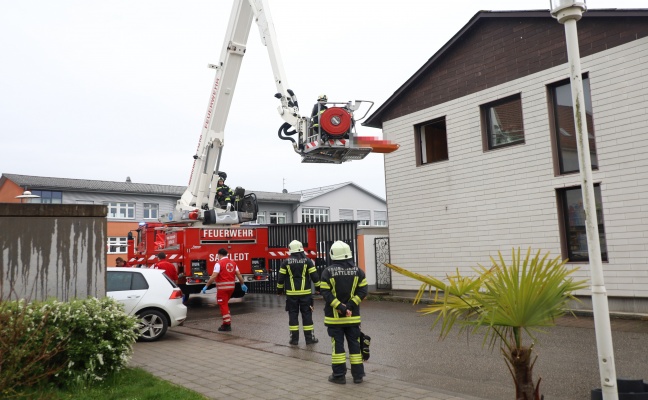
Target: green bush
{"points": [[63, 343]]}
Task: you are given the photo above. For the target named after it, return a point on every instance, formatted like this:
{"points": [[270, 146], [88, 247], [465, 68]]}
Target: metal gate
{"points": [[383, 274], [326, 233]]}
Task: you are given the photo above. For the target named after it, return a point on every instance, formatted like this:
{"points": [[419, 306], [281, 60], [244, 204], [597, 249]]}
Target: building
{"points": [[130, 203], [487, 145], [342, 202]]}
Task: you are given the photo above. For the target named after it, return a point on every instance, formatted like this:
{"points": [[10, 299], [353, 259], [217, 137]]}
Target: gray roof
{"points": [[308, 194], [86, 185]]}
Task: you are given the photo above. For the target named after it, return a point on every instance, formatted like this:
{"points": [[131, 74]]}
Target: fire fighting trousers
{"points": [[295, 305], [338, 355], [222, 299]]}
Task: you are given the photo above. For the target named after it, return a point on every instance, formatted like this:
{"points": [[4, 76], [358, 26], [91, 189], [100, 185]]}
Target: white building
{"points": [[487, 160]]}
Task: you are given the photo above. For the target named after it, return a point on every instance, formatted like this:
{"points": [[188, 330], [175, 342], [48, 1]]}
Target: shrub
{"points": [[101, 338], [63, 343]]}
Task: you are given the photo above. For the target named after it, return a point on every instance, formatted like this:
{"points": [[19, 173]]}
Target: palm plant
{"points": [[511, 301]]}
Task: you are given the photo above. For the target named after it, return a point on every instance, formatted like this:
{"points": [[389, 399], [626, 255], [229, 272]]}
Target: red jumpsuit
{"points": [[225, 283]]}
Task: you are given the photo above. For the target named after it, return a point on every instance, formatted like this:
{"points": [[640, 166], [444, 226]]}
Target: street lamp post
{"points": [[27, 195], [568, 12]]}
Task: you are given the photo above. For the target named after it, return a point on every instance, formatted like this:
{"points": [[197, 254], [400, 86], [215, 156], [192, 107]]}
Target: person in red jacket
{"points": [[169, 269], [225, 273]]}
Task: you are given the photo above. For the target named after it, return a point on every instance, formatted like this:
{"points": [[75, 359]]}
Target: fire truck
{"points": [[199, 225], [256, 249]]}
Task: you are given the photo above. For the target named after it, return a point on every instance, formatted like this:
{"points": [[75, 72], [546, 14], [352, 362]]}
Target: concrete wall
{"points": [[52, 250]]}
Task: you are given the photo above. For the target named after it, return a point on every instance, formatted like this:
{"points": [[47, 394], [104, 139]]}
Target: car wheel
{"points": [[152, 325]]}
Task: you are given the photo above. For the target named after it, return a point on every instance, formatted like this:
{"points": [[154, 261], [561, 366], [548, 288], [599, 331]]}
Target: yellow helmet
{"points": [[295, 247], [340, 251]]}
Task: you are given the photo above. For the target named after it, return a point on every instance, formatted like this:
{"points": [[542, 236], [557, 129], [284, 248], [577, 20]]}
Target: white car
{"points": [[149, 294]]}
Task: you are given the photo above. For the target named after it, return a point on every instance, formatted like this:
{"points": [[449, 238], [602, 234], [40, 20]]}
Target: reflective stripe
{"points": [[309, 328], [341, 320], [225, 285], [298, 292], [355, 358]]}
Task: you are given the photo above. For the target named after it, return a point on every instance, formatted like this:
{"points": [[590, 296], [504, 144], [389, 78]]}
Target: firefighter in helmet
{"points": [[343, 287], [224, 194], [295, 276], [318, 110]]}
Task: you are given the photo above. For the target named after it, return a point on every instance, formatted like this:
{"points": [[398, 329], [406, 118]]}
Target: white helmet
{"points": [[322, 98], [295, 247], [340, 251]]}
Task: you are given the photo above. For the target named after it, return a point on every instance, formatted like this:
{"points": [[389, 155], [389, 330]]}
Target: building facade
{"points": [[487, 143]]}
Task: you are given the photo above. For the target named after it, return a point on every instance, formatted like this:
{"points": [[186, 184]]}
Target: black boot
{"points": [[340, 380], [294, 338], [310, 337]]}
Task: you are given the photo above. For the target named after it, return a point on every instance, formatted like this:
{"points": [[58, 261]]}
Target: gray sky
{"points": [[108, 89]]}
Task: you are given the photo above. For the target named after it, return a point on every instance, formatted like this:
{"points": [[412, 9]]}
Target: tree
{"points": [[510, 301]]}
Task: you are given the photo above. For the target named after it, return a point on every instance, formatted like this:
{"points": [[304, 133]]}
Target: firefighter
{"points": [[343, 287], [224, 194], [318, 109], [225, 272], [295, 276]]}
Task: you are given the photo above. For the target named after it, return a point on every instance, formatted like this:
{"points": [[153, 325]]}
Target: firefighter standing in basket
{"points": [[295, 276], [343, 287]]}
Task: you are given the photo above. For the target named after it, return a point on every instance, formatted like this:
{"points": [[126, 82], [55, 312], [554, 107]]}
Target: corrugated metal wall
{"points": [[326, 232]]}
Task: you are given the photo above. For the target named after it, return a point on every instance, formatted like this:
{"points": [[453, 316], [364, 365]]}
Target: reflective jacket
{"points": [[296, 274], [343, 286]]}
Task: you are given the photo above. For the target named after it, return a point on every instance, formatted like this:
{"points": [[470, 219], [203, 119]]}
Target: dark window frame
{"points": [[558, 161], [442, 155], [486, 122], [48, 195], [565, 223]]}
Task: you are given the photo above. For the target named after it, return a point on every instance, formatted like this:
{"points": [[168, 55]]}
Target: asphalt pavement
{"points": [[408, 361]]}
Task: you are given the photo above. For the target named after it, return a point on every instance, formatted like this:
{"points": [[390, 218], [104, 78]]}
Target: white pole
{"points": [[599, 294]]}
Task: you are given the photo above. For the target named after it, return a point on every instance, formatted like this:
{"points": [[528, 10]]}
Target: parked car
{"points": [[149, 294]]}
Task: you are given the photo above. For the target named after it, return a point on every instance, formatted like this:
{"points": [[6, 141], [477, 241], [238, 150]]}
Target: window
{"points": [[564, 130], [502, 121], [121, 210], [151, 210], [431, 142], [261, 217], [121, 281], [117, 245], [47, 197], [380, 218], [346, 215], [315, 215], [277, 217], [364, 217], [573, 221]]}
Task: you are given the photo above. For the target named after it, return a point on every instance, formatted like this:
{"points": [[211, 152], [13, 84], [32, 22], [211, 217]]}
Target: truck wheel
{"points": [[151, 326]]}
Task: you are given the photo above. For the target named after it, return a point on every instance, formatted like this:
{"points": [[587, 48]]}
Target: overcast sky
{"points": [[103, 90]]}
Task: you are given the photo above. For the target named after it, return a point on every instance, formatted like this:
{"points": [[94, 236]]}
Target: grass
{"points": [[127, 384]]}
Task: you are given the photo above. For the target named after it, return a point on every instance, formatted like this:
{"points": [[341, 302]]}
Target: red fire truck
{"points": [[193, 249]]}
